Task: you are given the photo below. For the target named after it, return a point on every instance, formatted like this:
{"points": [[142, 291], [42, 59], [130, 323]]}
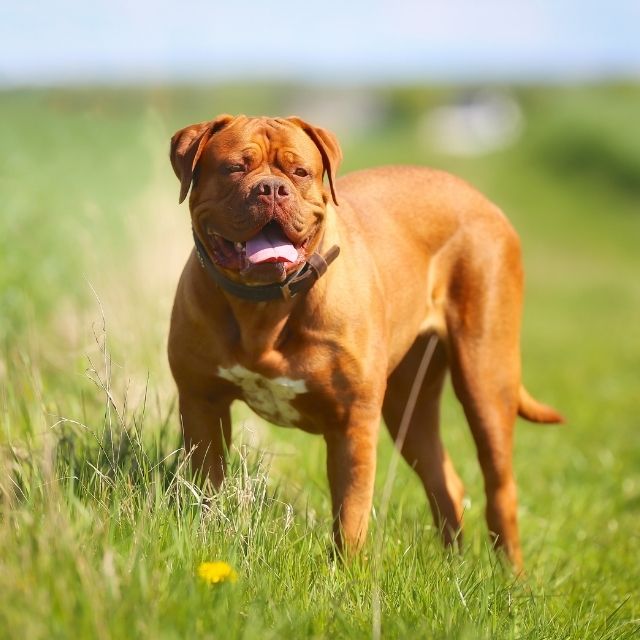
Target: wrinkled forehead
{"points": [[266, 135]]}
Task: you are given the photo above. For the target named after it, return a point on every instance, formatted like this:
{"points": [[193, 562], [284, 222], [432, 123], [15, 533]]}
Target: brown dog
{"points": [[421, 254]]}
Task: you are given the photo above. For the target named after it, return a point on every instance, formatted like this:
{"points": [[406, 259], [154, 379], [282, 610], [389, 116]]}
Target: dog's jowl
{"points": [[314, 304]]}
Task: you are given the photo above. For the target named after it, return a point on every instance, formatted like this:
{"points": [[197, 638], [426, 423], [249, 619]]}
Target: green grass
{"points": [[101, 530]]}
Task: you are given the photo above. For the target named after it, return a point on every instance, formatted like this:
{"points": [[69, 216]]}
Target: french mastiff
{"points": [[266, 311]]}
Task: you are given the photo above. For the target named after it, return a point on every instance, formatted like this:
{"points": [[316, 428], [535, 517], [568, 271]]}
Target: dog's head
{"points": [[258, 201]]}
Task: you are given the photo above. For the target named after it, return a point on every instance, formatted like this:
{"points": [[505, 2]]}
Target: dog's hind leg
{"points": [[484, 347], [422, 447]]}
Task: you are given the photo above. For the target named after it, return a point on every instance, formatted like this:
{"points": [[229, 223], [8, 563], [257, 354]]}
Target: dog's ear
{"points": [[329, 149], [187, 146]]}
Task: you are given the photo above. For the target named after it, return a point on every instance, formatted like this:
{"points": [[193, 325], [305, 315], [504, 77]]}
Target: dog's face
{"points": [[257, 200]]}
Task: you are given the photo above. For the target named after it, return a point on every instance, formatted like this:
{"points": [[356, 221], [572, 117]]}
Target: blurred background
{"points": [[536, 103]]}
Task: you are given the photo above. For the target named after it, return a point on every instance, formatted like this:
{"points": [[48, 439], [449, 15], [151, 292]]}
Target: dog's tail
{"points": [[530, 409]]}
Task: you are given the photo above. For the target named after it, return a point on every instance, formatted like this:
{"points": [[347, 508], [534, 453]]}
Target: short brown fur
{"points": [[422, 253]]}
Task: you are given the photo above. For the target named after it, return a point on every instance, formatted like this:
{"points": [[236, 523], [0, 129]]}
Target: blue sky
{"points": [[381, 40]]}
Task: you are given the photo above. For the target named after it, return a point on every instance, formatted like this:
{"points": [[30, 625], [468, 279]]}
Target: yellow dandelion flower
{"points": [[214, 572]]}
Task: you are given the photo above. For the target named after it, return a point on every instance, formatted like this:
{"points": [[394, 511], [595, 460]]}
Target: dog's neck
{"points": [[264, 327]]}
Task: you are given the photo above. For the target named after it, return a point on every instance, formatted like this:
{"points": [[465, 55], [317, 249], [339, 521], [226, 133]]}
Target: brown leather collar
{"points": [[298, 282]]}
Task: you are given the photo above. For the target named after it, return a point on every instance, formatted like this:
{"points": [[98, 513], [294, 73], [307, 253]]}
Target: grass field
{"points": [[101, 532]]}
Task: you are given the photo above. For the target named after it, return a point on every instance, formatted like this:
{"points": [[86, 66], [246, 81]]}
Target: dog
{"points": [[314, 303]]}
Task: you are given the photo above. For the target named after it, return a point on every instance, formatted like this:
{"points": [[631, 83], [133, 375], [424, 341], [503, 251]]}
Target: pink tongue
{"points": [[270, 245]]}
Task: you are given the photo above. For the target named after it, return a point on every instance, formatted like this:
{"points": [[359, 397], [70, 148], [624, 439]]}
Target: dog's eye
{"points": [[234, 168], [301, 173]]}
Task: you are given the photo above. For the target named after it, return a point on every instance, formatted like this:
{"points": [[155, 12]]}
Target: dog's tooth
{"points": [[239, 246]]}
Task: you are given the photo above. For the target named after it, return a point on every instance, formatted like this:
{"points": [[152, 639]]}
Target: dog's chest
{"points": [[270, 398]]}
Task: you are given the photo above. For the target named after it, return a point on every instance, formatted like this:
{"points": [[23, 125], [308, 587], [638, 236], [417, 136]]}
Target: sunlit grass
{"points": [[102, 530]]}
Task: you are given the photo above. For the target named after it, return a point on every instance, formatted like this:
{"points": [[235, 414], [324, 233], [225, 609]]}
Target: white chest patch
{"points": [[268, 397]]}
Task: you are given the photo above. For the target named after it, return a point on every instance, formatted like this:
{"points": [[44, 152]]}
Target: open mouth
{"points": [[269, 254]]}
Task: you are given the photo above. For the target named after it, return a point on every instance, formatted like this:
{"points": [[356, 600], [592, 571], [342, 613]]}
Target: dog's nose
{"points": [[272, 189]]}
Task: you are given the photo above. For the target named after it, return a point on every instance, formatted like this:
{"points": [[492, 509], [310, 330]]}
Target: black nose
{"points": [[272, 189]]}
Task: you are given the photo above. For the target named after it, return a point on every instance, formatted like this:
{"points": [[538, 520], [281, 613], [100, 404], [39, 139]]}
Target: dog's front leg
{"points": [[351, 466], [206, 426]]}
